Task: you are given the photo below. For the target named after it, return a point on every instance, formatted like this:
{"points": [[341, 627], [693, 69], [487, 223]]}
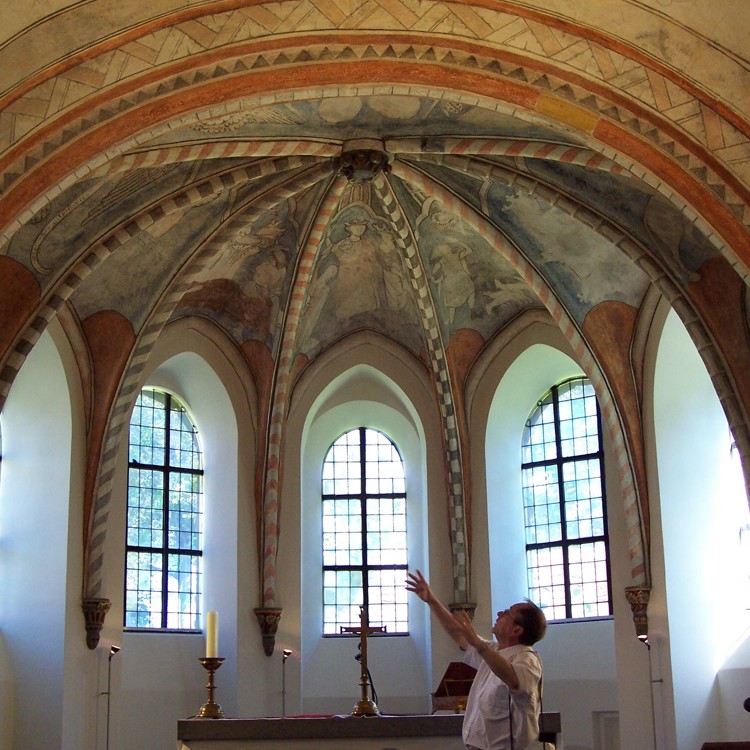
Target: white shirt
{"points": [[486, 724]]}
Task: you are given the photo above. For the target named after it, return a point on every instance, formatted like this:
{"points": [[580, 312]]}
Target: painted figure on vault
{"points": [[395, 280], [355, 290], [452, 275]]}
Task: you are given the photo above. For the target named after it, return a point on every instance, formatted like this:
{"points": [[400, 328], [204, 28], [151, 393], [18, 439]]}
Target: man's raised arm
{"points": [[417, 584]]}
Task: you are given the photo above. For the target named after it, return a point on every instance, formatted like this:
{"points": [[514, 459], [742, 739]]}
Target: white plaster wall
{"points": [[701, 576], [35, 533], [161, 679], [82, 696], [7, 686], [635, 715], [360, 373], [527, 379], [734, 689]]}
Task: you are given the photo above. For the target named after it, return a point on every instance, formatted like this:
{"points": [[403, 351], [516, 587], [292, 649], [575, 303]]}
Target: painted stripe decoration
{"points": [[156, 157], [131, 380], [436, 350], [504, 245], [530, 149], [280, 402]]}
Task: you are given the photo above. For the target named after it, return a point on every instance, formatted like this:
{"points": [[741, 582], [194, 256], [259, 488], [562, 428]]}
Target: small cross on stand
{"points": [[365, 706]]}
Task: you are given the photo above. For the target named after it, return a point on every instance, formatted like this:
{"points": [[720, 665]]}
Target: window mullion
{"points": [[363, 510], [561, 500], [159, 467], [165, 511]]}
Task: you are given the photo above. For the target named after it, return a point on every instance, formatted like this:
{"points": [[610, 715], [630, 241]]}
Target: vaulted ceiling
{"points": [[296, 172]]}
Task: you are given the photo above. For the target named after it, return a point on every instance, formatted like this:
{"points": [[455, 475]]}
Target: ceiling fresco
{"points": [[340, 118], [257, 224], [294, 174]]}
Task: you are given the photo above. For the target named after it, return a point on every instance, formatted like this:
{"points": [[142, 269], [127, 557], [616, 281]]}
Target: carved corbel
{"points": [[469, 607], [94, 612], [268, 619], [638, 597]]}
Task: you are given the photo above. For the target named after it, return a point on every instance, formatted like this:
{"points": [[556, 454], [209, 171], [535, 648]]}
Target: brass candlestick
{"points": [[211, 709]]}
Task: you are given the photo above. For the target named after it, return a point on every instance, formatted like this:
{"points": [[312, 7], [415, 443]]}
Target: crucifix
{"points": [[366, 706]]}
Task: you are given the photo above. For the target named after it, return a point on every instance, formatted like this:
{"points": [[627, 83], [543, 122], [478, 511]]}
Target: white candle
{"points": [[212, 635]]}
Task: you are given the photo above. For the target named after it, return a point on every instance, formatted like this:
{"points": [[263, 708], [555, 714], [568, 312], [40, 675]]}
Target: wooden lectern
{"points": [[453, 690]]}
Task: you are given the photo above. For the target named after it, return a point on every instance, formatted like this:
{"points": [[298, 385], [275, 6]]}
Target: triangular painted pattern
{"points": [[502, 30]]}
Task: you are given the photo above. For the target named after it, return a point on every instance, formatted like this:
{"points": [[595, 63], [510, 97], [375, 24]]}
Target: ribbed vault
{"points": [[295, 190]]}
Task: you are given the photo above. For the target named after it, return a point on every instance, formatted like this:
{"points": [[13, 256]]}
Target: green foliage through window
{"points": [[564, 504], [364, 533], [165, 516]]}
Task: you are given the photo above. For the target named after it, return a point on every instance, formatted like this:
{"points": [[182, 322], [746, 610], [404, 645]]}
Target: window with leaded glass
{"points": [[567, 549], [364, 533], [165, 516]]}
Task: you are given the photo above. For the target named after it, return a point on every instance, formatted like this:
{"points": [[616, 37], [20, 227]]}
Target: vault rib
{"points": [[569, 153], [145, 341], [223, 149], [536, 282], [281, 391], [456, 482]]}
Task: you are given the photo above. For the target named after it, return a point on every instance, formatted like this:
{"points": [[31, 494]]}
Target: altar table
{"points": [[386, 732], [323, 733]]}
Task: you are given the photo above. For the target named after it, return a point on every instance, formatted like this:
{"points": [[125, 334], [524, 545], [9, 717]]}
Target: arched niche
{"points": [[365, 380], [41, 488], [698, 605]]}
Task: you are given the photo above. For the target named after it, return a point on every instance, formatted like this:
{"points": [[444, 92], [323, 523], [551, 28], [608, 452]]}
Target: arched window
{"points": [[364, 533], [164, 524], [565, 504]]}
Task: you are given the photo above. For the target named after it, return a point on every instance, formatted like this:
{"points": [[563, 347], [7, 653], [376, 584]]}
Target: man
{"points": [[502, 712]]}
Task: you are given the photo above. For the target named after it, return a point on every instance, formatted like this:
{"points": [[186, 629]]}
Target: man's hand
{"points": [[417, 584], [465, 628]]}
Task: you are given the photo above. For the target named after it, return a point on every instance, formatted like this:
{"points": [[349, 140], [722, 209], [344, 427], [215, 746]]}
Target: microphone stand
{"points": [[285, 654], [112, 651]]}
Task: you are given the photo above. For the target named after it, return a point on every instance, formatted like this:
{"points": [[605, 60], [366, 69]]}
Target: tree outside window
{"points": [[364, 533], [165, 517], [567, 546]]}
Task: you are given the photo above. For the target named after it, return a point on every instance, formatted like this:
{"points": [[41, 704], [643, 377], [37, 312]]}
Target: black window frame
{"points": [[565, 543], [365, 567], [165, 550]]}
